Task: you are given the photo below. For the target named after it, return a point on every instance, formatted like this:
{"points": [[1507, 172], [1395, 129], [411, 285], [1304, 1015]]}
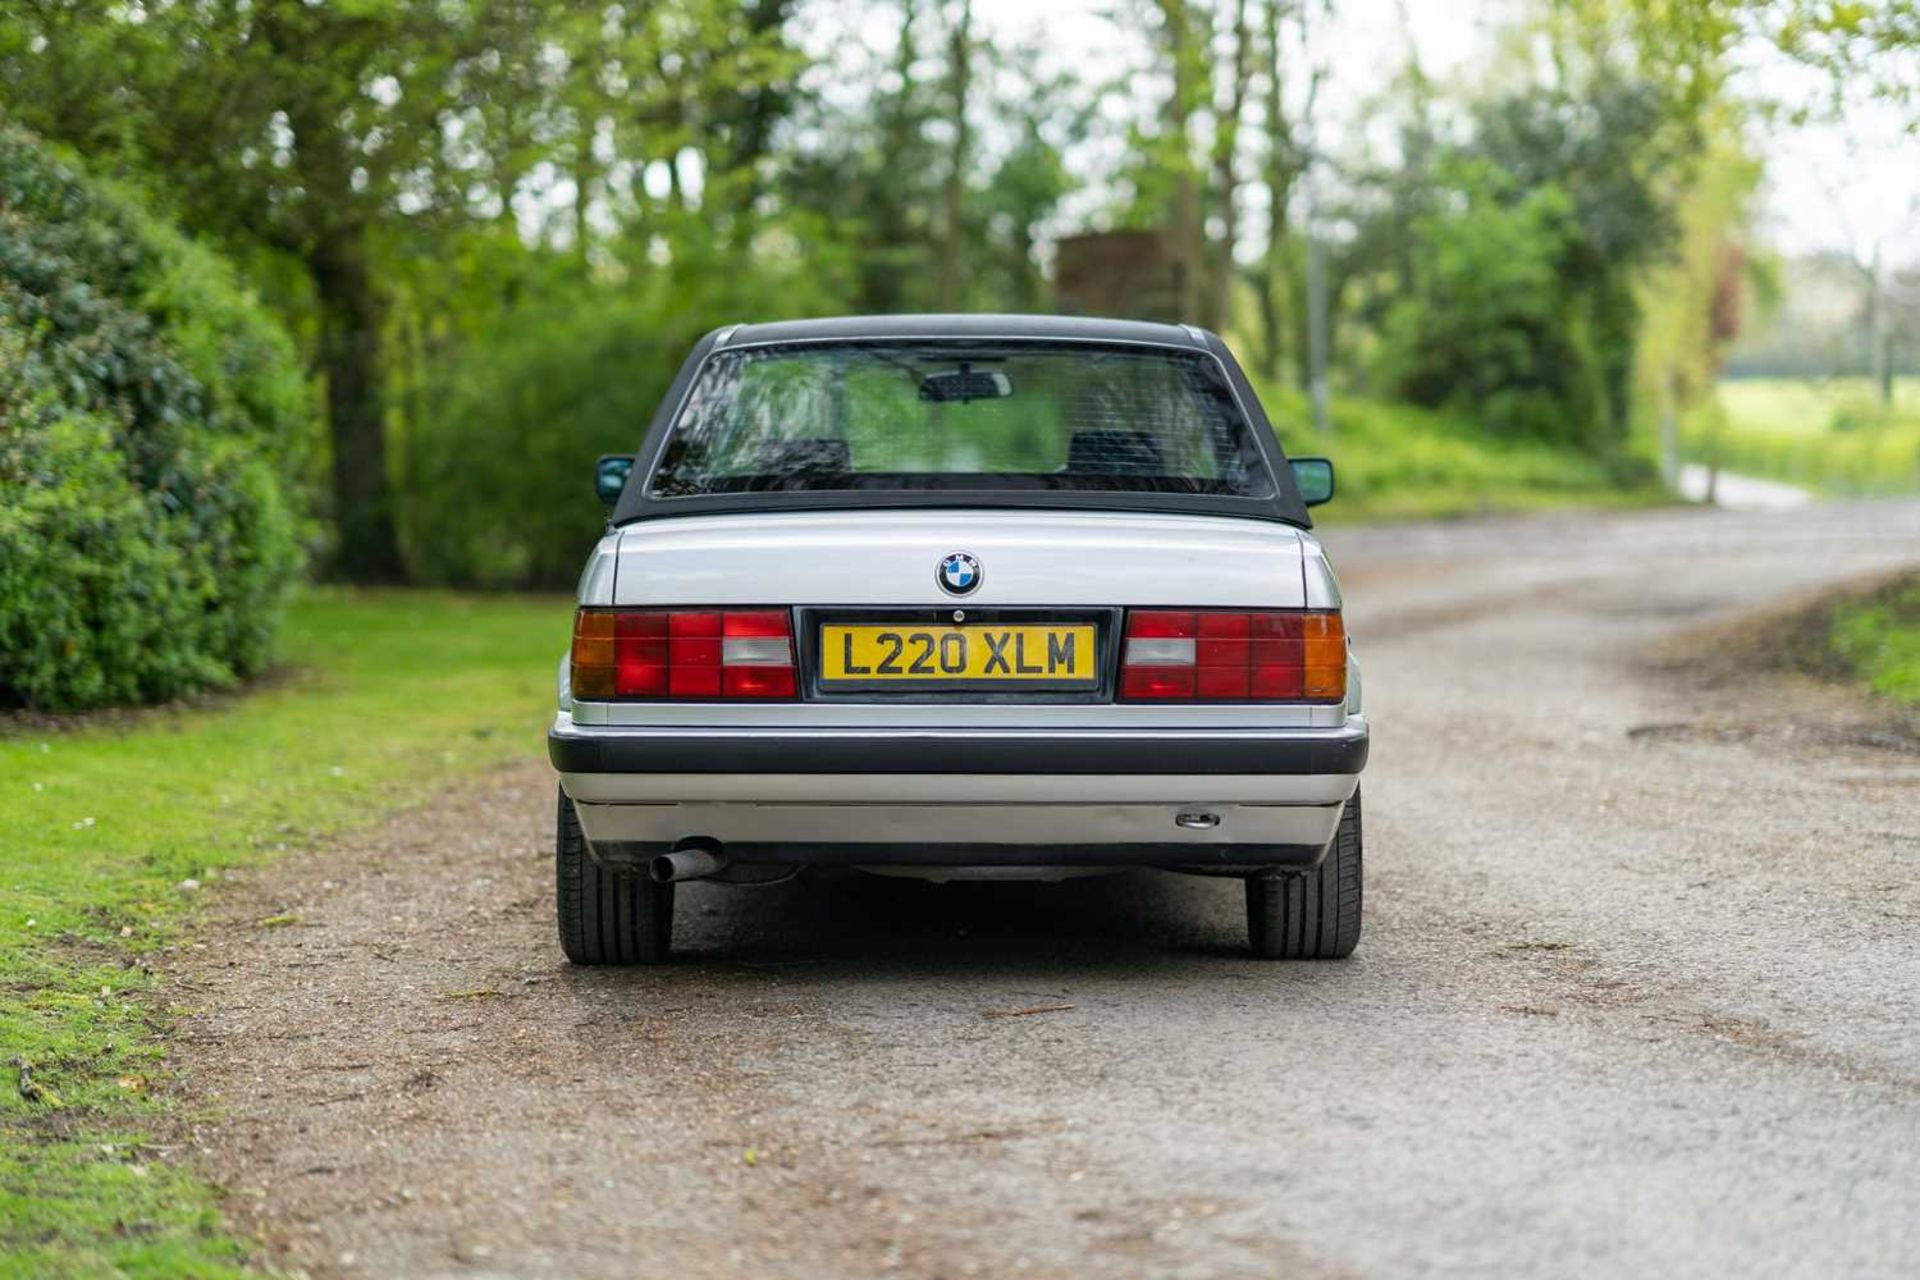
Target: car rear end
{"points": [[1119, 690], [958, 678]]}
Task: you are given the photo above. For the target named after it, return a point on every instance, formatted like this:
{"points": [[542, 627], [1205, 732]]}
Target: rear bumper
{"points": [[1216, 800], [596, 749]]}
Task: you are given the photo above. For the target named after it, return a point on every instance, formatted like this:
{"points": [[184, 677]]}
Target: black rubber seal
{"points": [[1241, 859]]}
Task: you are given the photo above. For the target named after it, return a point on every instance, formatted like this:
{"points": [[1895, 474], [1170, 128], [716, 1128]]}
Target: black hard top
{"points": [[1043, 328], [1284, 505]]}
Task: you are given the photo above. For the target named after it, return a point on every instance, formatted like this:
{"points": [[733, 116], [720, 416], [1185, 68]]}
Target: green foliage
{"points": [[498, 485], [1880, 639], [100, 829], [1693, 299], [1399, 461], [150, 418], [1829, 436], [1484, 330], [1518, 260]]}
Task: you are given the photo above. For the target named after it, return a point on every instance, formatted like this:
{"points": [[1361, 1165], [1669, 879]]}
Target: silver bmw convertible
{"points": [[958, 596]]}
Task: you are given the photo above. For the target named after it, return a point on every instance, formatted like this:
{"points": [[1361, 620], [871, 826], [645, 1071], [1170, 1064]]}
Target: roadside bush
{"points": [[1869, 462], [150, 416], [1397, 460], [1880, 639], [1485, 328], [497, 481], [498, 487]]}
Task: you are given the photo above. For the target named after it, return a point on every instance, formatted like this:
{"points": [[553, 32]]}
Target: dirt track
{"points": [[1639, 994]]}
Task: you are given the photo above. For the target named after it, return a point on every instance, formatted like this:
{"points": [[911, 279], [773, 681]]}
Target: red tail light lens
{"points": [[683, 653], [1234, 656]]}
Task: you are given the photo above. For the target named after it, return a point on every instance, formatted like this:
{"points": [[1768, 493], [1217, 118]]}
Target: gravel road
{"points": [[1639, 994]]}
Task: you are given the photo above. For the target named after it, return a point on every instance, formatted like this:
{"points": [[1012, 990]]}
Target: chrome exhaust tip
{"points": [[694, 858]]}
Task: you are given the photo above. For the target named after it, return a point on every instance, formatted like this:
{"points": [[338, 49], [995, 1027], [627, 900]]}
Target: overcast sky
{"points": [[1827, 187]]}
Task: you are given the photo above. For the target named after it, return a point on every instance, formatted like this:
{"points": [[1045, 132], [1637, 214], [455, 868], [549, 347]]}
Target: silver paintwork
{"points": [[596, 580], [1041, 558], [1028, 558], [1321, 587], [872, 822], [849, 715], [1175, 789]]}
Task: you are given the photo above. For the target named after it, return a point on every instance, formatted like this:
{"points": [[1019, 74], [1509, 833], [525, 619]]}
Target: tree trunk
{"points": [[1879, 332], [882, 277], [954, 195], [583, 175], [1226, 177], [1282, 165], [1670, 427], [350, 359], [752, 133], [1186, 50]]}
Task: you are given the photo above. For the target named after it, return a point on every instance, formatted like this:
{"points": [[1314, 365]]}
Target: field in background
{"points": [[109, 828], [1399, 461], [1830, 435]]}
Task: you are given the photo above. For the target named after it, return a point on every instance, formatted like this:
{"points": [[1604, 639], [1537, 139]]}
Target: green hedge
{"points": [[1869, 461], [1396, 460], [151, 418], [496, 479]]}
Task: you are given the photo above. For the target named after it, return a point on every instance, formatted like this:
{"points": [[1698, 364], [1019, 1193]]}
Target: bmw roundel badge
{"points": [[959, 574]]}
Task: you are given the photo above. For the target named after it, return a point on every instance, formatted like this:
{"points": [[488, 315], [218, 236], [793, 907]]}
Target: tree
{"points": [[1185, 39], [1226, 173], [1277, 278], [374, 149], [1615, 151], [1525, 255], [301, 127], [953, 229], [1692, 298], [1042, 112], [1490, 324]]}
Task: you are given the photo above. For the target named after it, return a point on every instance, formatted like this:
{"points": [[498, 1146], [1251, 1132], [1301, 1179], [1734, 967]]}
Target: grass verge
{"points": [[109, 828], [1399, 461], [1879, 639], [1830, 436], [1863, 634]]}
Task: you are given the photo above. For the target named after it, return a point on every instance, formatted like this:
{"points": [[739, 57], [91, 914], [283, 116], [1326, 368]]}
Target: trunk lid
{"points": [[1026, 558]]}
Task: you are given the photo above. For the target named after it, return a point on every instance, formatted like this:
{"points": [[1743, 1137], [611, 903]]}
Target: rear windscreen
{"points": [[961, 416]]}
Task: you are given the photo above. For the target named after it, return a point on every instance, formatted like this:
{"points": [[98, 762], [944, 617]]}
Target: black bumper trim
{"points": [[1246, 859], [640, 750]]}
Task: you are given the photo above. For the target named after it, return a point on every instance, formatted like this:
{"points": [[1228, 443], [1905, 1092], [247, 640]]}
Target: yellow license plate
{"points": [[973, 653]]}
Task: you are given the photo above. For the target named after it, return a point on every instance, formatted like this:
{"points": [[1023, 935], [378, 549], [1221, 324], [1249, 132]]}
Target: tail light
{"points": [[1233, 656], [683, 653]]}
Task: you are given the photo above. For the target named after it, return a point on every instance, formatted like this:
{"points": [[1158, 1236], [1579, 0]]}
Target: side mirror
{"points": [[610, 476], [1314, 476]]}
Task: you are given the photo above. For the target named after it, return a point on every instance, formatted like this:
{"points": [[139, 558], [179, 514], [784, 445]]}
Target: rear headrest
{"points": [[1115, 453], [819, 455]]}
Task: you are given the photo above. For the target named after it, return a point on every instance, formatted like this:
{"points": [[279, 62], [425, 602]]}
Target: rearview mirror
{"points": [[610, 476], [1314, 476], [965, 384]]}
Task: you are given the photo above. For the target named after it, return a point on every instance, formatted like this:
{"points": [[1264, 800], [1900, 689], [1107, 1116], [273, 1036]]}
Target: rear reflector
{"points": [[1234, 656], [683, 653]]}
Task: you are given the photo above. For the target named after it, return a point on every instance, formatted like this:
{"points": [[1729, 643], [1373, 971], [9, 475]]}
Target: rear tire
{"points": [[606, 917], [1312, 915]]}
